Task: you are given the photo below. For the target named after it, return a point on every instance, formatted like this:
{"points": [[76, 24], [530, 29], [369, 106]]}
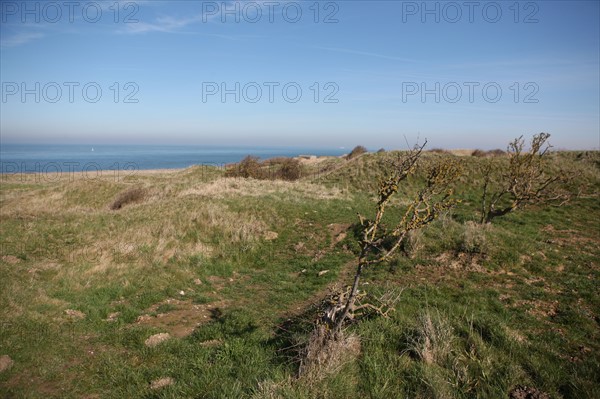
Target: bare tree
{"points": [[526, 180], [378, 243]]}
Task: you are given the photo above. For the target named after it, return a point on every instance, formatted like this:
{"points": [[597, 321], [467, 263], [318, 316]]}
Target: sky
{"points": [[300, 73]]}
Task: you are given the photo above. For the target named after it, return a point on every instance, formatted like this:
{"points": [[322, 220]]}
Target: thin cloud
{"points": [[19, 39], [531, 62], [163, 24], [365, 53], [170, 24]]}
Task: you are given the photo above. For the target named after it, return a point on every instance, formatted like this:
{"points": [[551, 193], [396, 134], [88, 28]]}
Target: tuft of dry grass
{"points": [[414, 243], [432, 339], [324, 355], [474, 238], [161, 383]]}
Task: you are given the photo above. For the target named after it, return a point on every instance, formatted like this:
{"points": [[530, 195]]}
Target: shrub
{"points": [[274, 161], [276, 168], [248, 167], [378, 242], [128, 196], [290, 169], [527, 180], [356, 151], [496, 153], [492, 153], [438, 151]]}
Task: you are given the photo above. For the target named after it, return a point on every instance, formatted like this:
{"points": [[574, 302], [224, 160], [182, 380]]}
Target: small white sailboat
{"points": [[92, 149]]}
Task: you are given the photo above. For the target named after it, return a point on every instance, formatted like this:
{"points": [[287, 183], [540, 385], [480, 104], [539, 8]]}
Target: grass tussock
{"points": [[414, 243], [432, 339], [324, 355], [474, 238]]}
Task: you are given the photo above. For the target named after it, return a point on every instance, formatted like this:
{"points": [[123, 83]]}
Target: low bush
{"points": [[126, 197], [496, 153], [248, 167], [290, 169], [282, 168], [491, 153], [356, 151]]}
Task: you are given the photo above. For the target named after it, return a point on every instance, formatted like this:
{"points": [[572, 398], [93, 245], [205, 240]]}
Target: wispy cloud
{"points": [[19, 38], [164, 24], [365, 53], [512, 63], [171, 24]]}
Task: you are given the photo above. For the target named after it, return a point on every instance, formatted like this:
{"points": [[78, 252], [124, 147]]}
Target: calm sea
{"points": [[68, 158]]}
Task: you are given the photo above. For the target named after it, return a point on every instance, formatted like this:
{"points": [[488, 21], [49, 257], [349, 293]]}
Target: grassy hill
{"points": [[234, 269]]}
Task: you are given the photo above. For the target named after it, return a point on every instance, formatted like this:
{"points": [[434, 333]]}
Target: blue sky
{"points": [[369, 72]]}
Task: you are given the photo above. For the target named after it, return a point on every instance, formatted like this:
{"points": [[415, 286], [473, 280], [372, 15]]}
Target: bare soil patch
{"points": [[523, 392], [182, 319], [10, 259], [5, 363]]}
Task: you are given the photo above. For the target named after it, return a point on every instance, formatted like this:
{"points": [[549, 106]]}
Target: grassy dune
{"points": [[230, 269]]}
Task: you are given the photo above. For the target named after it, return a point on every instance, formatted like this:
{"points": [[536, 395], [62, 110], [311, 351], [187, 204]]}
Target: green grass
{"points": [[517, 303]]}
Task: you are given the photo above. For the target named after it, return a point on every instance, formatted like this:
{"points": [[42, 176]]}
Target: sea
{"points": [[17, 158]]}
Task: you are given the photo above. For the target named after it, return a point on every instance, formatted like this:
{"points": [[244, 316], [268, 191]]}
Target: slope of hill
{"points": [[233, 271]]}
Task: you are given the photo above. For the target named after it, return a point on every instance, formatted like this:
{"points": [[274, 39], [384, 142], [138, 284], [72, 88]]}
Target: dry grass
{"points": [[229, 187], [474, 238], [461, 152], [323, 355], [414, 243], [237, 228], [101, 246], [432, 339]]}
